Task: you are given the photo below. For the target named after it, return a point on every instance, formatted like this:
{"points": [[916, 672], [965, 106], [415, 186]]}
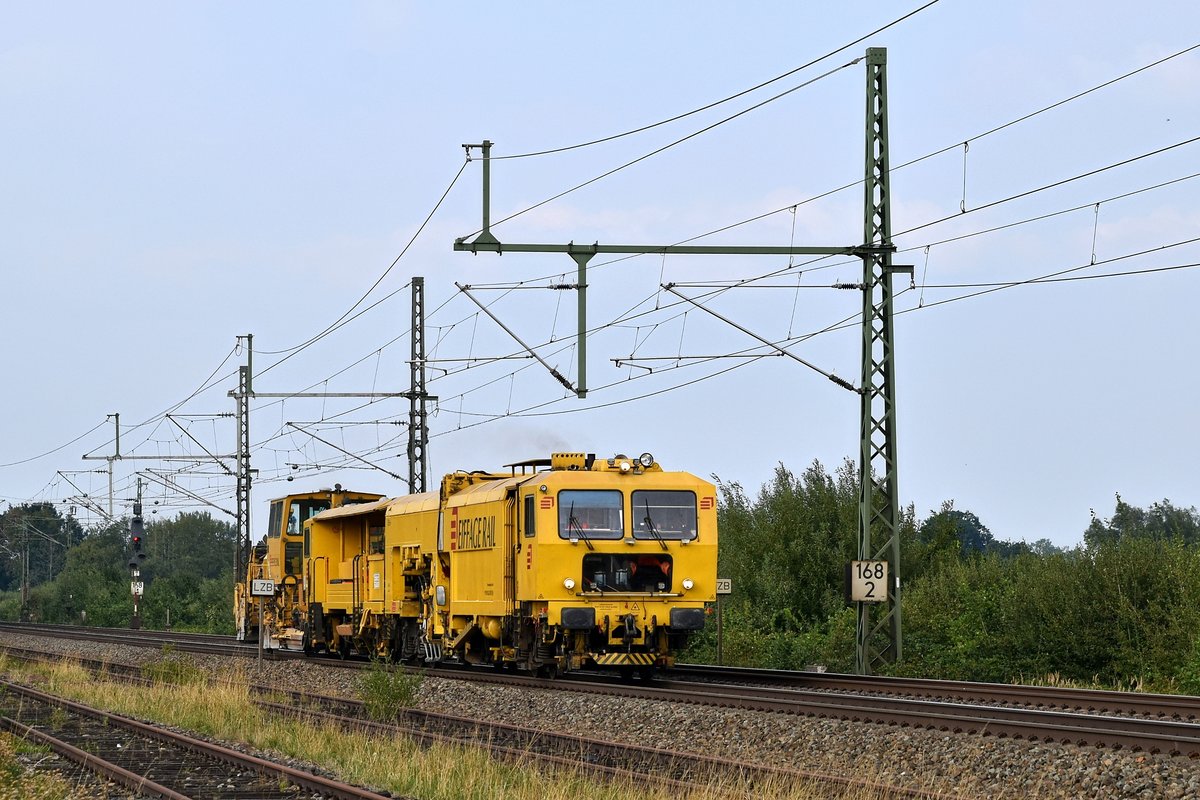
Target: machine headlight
{"points": [[625, 466], [569, 583], [646, 460], [688, 583]]}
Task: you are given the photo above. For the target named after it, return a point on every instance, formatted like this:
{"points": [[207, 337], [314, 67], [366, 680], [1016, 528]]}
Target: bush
{"points": [[386, 690]]}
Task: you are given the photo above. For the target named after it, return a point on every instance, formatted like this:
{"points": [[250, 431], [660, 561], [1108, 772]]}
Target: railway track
{"points": [[154, 761], [602, 758], [1163, 724], [213, 644], [1096, 701]]}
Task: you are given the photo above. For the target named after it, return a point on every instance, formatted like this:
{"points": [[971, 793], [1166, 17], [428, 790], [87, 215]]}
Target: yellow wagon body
{"points": [[558, 564]]}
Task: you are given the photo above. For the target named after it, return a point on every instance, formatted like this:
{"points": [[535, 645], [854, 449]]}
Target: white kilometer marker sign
{"points": [[868, 581]]}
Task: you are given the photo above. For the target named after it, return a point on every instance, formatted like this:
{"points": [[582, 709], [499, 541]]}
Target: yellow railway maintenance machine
{"points": [[279, 558], [563, 563]]}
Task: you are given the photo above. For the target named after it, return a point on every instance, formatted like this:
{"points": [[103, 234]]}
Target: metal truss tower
{"points": [[878, 639], [418, 427], [242, 396], [878, 635]]}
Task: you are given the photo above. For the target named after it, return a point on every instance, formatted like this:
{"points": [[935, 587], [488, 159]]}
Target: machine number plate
{"points": [[261, 588]]}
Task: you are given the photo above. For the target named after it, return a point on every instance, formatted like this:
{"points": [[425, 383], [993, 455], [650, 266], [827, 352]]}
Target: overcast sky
{"points": [[177, 174]]}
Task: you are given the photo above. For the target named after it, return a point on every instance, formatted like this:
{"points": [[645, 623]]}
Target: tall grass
{"points": [[386, 690], [222, 708]]}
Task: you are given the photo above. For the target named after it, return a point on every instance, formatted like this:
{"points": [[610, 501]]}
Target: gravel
{"points": [[971, 764]]}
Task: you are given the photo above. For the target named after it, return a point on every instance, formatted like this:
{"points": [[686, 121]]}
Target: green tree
{"points": [[36, 529], [1161, 521], [94, 582], [192, 544], [785, 551]]}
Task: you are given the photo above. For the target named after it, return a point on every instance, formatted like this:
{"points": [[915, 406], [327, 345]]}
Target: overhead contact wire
{"points": [[291, 351], [716, 103]]}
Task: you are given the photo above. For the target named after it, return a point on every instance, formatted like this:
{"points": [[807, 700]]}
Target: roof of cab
{"points": [[353, 509]]}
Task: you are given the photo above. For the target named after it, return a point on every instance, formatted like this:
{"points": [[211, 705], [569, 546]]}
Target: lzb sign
{"points": [[261, 588], [867, 581]]}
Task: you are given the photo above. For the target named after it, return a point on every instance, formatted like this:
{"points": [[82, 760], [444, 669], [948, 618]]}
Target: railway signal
{"points": [[137, 530]]}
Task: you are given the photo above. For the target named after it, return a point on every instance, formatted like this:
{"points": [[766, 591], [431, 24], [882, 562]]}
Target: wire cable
{"points": [[716, 103], [291, 351], [1047, 186], [55, 450], [669, 145], [913, 161]]}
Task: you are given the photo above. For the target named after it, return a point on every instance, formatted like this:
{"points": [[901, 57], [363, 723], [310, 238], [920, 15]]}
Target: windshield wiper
{"points": [[574, 526], [653, 530]]}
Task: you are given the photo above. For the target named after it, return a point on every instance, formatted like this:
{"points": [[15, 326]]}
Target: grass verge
{"points": [[221, 708]]}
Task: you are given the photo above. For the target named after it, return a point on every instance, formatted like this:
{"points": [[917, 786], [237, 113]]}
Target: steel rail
{"points": [[651, 763], [306, 780], [1094, 700], [871, 704], [92, 763], [519, 744]]}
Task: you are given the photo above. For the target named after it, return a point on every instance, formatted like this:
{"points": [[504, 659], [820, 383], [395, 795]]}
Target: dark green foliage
{"points": [[1123, 609], [182, 602], [785, 552], [94, 580], [192, 544], [1122, 612], [39, 530], [950, 529], [188, 574], [1161, 521]]}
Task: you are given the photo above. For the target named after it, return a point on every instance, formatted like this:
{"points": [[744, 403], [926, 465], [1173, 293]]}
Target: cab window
{"points": [[302, 511], [591, 514], [276, 521], [530, 515], [644, 572], [664, 514], [293, 558]]}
